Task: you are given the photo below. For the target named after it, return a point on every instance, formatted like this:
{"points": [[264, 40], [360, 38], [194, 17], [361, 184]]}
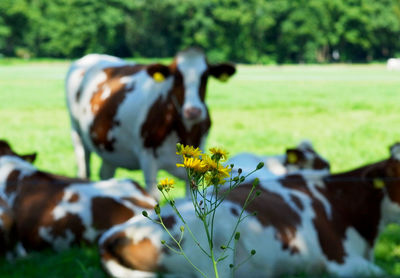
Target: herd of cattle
{"points": [[308, 220]]}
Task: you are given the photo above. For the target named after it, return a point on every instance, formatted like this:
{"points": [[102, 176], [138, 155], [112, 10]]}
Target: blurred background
{"points": [[336, 92], [253, 31]]}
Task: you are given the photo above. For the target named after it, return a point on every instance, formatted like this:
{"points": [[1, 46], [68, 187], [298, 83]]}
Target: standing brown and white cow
{"points": [[39, 209], [133, 115]]}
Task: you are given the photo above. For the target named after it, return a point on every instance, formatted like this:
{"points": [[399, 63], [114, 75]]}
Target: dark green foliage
{"points": [[257, 31]]}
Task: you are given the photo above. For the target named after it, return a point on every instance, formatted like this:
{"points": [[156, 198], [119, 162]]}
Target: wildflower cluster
{"points": [[203, 167], [210, 183]]}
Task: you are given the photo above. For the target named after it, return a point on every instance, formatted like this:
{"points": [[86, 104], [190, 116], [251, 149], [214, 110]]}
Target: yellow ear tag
{"points": [[158, 77], [292, 158], [379, 184], [223, 77]]}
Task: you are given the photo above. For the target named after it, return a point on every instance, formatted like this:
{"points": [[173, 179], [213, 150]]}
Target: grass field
{"points": [[349, 112]]}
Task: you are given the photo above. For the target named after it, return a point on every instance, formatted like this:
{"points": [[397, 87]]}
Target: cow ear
{"points": [[395, 151], [29, 157], [222, 71], [158, 72], [293, 156]]}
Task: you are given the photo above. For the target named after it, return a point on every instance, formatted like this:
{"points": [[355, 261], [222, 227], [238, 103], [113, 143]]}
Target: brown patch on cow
{"points": [[107, 212], [320, 164], [138, 202], [296, 182], [12, 182], [297, 201], [74, 198], [142, 255], [169, 221], [105, 109], [235, 212], [7, 235], [270, 208], [69, 223], [7, 219], [38, 194], [159, 123]]}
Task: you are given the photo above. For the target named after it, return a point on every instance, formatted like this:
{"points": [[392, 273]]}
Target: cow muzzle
{"points": [[192, 113]]}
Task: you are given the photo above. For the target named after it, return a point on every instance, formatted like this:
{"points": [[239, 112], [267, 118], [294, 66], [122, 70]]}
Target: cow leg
{"points": [[82, 154], [150, 168], [107, 171]]}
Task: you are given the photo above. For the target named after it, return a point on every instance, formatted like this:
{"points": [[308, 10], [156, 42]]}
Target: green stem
{"points": [[211, 245]]}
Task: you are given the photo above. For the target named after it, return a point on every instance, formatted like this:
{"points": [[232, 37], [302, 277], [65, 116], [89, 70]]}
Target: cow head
{"points": [[5, 149], [190, 71], [385, 177], [305, 157]]}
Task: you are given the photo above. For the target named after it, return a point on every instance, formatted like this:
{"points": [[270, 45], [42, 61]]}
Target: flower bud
{"points": [[253, 252], [231, 265], [237, 236], [157, 209], [223, 247], [182, 228], [258, 193], [242, 178], [162, 241], [235, 178], [240, 171], [160, 187], [260, 165], [178, 147], [232, 165], [256, 182], [145, 214]]}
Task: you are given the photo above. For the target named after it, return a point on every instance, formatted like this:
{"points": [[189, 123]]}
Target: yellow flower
{"points": [[219, 154], [218, 174], [209, 163], [223, 172], [166, 184], [189, 151], [193, 163]]}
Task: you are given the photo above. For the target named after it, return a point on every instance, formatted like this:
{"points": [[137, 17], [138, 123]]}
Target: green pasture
{"points": [[349, 112]]}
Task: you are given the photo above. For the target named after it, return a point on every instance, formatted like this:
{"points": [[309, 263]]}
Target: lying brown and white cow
{"points": [[133, 115], [303, 159], [39, 210], [326, 224]]}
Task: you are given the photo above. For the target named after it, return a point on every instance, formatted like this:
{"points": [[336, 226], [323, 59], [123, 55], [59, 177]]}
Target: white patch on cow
{"points": [[90, 234], [312, 183], [119, 271], [355, 244], [59, 243], [390, 211], [112, 188], [106, 93], [192, 64], [9, 164]]}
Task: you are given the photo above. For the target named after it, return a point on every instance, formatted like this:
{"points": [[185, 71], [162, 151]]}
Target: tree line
{"points": [[251, 31]]}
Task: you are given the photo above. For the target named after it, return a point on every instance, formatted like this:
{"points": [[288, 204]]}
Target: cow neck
{"points": [[354, 200], [159, 122]]}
